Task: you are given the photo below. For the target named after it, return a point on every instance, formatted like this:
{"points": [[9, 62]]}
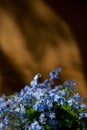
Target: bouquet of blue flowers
{"points": [[47, 105]]}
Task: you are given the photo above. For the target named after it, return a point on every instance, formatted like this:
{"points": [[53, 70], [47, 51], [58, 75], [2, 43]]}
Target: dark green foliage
{"points": [[32, 114], [67, 118]]}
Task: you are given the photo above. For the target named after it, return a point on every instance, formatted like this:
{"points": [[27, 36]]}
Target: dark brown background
{"points": [[74, 13]]}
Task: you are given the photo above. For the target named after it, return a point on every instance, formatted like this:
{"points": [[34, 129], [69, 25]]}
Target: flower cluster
{"points": [[47, 105]]}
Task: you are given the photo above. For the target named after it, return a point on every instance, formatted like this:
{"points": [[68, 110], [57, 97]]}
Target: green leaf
{"points": [[32, 114], [66, 117], [47, 127]]}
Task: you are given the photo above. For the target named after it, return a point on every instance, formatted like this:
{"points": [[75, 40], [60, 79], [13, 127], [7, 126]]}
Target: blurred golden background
{"points": [[38, 36]]}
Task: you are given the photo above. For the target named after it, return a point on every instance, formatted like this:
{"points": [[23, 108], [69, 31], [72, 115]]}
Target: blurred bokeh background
{"points": [[37, 36]]}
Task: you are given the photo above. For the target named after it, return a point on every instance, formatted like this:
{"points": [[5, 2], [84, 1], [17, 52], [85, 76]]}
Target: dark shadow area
{"points": [[10, 75], [75, 14]]}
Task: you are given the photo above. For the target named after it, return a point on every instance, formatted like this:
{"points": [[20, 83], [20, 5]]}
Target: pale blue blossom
{"points": [[42, 99], [35, 126]]}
